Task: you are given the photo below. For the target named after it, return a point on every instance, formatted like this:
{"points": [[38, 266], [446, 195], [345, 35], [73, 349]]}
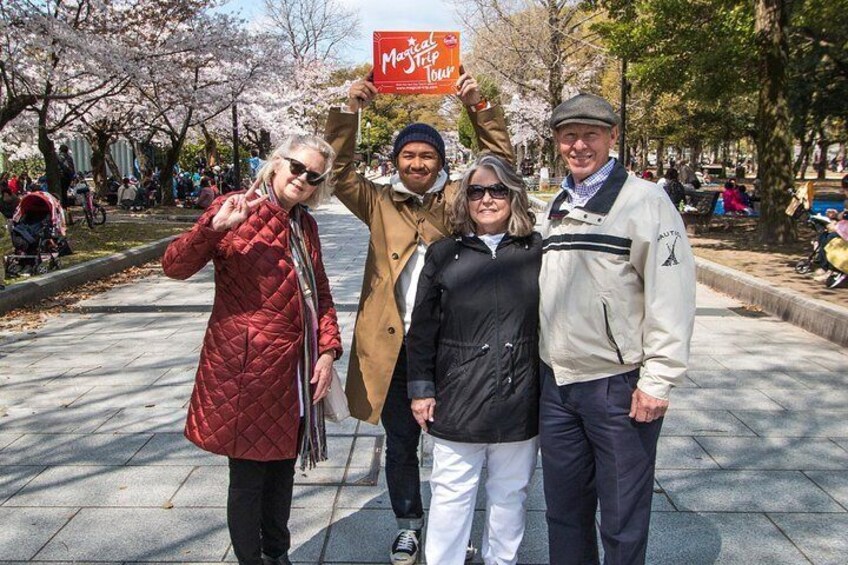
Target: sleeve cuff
{"points": [[421, 389], [655, 388]]}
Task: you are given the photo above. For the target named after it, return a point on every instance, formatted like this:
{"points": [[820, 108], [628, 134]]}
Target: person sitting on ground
{"points": [[733, 205], [208, 193]]}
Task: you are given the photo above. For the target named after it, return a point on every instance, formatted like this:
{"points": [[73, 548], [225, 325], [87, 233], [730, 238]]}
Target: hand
{"points": [[422, 410], [361, 93], [645, 408], [831, 227], [322, 376], [236, 209], [467, 88]]}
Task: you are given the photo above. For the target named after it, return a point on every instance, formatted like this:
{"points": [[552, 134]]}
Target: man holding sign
{"points": [[404, 217]]}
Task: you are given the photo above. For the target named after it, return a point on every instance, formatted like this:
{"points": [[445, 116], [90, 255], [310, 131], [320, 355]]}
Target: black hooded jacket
{"points": [[473, 343]]}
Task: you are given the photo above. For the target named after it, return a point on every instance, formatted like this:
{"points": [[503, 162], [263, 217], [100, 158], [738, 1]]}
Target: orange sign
{"points": [[416, 62]]}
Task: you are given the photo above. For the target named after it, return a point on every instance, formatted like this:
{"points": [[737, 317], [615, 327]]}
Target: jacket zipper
{"points": [[510, 380], [610, 336]]}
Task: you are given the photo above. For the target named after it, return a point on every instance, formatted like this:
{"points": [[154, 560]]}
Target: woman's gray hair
{"points": [[521, 220], [289, 145]]}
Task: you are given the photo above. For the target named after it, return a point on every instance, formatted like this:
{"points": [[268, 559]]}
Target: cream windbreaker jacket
{"points": [[617, 287]]}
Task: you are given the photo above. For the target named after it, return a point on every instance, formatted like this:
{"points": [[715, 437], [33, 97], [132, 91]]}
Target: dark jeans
{"points": [[593, 451], [402, 437], [258, 508]]}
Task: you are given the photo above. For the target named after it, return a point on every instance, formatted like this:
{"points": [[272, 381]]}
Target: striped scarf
{"points": [[313, 440]]}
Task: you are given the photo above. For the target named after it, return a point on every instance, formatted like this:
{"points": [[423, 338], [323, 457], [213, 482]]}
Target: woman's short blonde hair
{"points": [[289, 145], [521, 219]]}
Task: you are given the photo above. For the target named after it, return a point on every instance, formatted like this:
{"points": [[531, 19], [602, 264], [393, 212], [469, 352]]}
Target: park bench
{"points": [[704, 202]]}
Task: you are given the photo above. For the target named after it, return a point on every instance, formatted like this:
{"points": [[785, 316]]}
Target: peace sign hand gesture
{"points": [[236, 208]]}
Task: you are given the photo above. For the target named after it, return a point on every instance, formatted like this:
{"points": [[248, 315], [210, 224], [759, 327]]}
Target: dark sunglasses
{"points": [[297, 168], [496, 191]]}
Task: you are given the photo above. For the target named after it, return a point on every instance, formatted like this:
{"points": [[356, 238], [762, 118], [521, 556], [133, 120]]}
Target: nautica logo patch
{"points": [[672, 259]]}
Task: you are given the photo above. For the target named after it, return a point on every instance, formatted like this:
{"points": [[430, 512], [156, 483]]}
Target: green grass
{"points": [[112, 237]]}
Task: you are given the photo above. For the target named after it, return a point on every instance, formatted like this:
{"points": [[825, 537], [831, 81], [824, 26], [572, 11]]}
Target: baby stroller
{"points": [[827, 254], [38, 236]]}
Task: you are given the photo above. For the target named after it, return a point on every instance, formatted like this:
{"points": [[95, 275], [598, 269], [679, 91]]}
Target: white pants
{"points": [[456, 474]]}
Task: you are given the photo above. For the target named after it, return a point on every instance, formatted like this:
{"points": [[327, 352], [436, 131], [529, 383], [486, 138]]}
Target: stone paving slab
{"points": [[728, 399], [834, 483], [743, 379], [14, 477], [55, 419], [820, 423], [822, 538], [101, 486], [775, 453], [72, 449], [744, 491], [809, 401], [722, 423], [23, 531], [707, 538], [682, 453], [174, 449], [145, 535]]}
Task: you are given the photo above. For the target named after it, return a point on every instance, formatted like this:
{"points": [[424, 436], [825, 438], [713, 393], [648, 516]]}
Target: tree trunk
{"points": [[48, 151], [144, 163], [100, 141], [821, 166], [774, 139], [166, 175], [660, 157], [555, 45], [210, 148], [803, 161]]}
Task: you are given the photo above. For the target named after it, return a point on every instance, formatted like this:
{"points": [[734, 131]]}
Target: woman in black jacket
{"points": [[473, 362]]}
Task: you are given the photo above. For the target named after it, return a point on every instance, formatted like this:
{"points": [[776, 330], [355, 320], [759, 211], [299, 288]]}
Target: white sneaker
{"points": [[470, 552], [405, 548]]}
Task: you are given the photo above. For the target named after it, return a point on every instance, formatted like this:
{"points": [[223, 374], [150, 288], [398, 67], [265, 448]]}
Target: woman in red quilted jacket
{"points": [[270, 344]]}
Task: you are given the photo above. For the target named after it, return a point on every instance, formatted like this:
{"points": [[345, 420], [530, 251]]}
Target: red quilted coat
{"points": [[245, 399]]}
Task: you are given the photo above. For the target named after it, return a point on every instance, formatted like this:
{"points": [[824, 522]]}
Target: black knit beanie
{"points": [[420, 132]]}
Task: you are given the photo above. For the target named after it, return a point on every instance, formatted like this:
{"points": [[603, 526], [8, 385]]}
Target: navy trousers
{"points": [[402, 436], [592, 451]]}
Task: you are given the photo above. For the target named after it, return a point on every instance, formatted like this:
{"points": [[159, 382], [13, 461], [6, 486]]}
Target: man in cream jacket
{"points": [[617, 310]]}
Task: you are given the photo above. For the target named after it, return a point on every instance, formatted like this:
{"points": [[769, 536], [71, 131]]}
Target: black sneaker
{"points": [[281, 560], [836, 280], [405, 548]]}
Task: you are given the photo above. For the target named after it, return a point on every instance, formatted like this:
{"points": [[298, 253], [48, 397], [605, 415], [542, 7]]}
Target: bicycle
{"points": [[95, 214]]}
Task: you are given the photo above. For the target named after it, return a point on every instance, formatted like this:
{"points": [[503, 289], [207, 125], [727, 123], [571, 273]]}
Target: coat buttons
{"points": [[391, 330], [395, 256]]}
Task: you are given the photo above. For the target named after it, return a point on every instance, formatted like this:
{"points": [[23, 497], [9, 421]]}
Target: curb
{"points": [[824, 319], [47, 285]]}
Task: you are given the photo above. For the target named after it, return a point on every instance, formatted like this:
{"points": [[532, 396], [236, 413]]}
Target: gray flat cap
{"points": [[584, 109]]}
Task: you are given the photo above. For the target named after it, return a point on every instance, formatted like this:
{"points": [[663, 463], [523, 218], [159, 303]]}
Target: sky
{"points": [[378, 15]]}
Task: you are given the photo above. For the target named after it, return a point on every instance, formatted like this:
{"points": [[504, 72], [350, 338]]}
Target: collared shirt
{"points": [[580, 193]]}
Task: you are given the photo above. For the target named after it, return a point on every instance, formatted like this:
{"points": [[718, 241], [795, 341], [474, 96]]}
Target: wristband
{"points": [[481, 105]]}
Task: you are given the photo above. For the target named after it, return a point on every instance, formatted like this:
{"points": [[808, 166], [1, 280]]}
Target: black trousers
{"points": [[592, 451], [258, 508], [402, 437]]}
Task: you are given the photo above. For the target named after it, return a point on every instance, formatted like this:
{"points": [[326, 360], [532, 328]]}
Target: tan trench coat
{"points": [[396, 222]]}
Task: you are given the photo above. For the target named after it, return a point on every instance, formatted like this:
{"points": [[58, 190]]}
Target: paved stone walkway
{"points": [[752, 467]]}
